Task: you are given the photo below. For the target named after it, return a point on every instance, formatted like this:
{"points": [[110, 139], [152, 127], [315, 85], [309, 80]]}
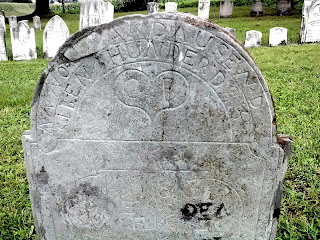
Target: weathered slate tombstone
{"points": [[257, 8], [23, 42], [171, 7], [137, 137], [36, 23], [12, 21], [310, 24], [204, 9], [55, 34], [253, 39], [3, 46], [232, 31], [278, 36], [283, 7], [95, 12], [2, 23], [226, 9], [152, 7]]}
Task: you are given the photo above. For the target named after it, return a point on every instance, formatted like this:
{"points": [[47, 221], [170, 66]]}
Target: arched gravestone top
{"points": [[153, 127]]}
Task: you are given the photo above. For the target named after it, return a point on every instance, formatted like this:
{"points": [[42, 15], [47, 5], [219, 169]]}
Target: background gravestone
{"points": [[25, 21], [253, 39], [23, 42], [283, 7], [204, 9], [2, 12], [12, 21], [226, 8], [95, 12], [310, 27], [3, 47], [278, 36], [171, 7], [154, 127], [152, 7], [36, 23], [257, 8], [55, 34], [2, 23], [232, 31]]}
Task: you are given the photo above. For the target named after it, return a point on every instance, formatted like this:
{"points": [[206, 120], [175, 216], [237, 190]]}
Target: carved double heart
{"points": [[167, 90]]}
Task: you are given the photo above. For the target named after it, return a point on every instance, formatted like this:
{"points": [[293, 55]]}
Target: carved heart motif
{"points": [[167, 90]]}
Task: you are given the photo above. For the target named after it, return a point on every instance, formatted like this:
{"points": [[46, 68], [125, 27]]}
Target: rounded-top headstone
{"points": [[152, 7], [171, 7], [153, 127]]}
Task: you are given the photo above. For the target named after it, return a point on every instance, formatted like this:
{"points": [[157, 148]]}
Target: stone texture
{"points": [[36, 23], [154, 127], [152, 7], [283, 7], [278, 36], [25, 21], [257, 8], [23, 42], [232, 31], [12, 21], [226, 8], [204, 9], [3, 46], [2, 13], [253, 39], [2, 23], [95, 12], [171, 7], [310, 24], [55, 34]]}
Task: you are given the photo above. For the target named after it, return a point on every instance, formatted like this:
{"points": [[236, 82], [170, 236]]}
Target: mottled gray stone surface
{"points": [[226, 9], [204, 9], [232, 31], [171, 7], [257, 8], [55, 34], [310, 24], [278, 36], [253, 39], [283, 7], [3, 46], [95, 12], [23, 42], [2, 23], [154, 127], [12, 21], [152, 7], [36, 23]]}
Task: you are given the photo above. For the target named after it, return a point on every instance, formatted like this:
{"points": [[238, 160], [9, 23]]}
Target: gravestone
{"points": [[25, 21], [253, 39], [12, 21], [226, 8], [171, 7], [204, 9], [257, 8], [283, 7], [2, 13], [55, 34], [2, 23], [232, 31], [310, 24], [36, 23], [95, 12], [23, 42], [152, 7], [3, 47], [278, 36], [154, 127]]}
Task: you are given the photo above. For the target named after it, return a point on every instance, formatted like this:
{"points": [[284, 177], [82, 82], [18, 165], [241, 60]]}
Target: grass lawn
{"points": [[292, 73]]}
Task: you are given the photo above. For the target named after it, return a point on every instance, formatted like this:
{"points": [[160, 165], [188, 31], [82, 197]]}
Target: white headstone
{"points": [[278, 36], [204, 9], [310, 25], [137, 138], [226, 9], [232, 31], [95, 12], [2, 23], [171, 7], [23, 42], [253, 39], [152, 7], [55, 34], [36, 23], [25, 21], [12, 21], [3, 47]]}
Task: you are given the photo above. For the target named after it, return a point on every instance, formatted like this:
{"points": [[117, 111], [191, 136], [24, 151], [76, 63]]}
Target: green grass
{"points": [[292, 73], [17, 9]]}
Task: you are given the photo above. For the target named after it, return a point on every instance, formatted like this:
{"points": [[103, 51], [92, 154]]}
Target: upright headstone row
{"points": [[277, 36]]}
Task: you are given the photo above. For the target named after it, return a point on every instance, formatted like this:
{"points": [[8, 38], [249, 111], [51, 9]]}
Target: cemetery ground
{"points": [[293, 76]]}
